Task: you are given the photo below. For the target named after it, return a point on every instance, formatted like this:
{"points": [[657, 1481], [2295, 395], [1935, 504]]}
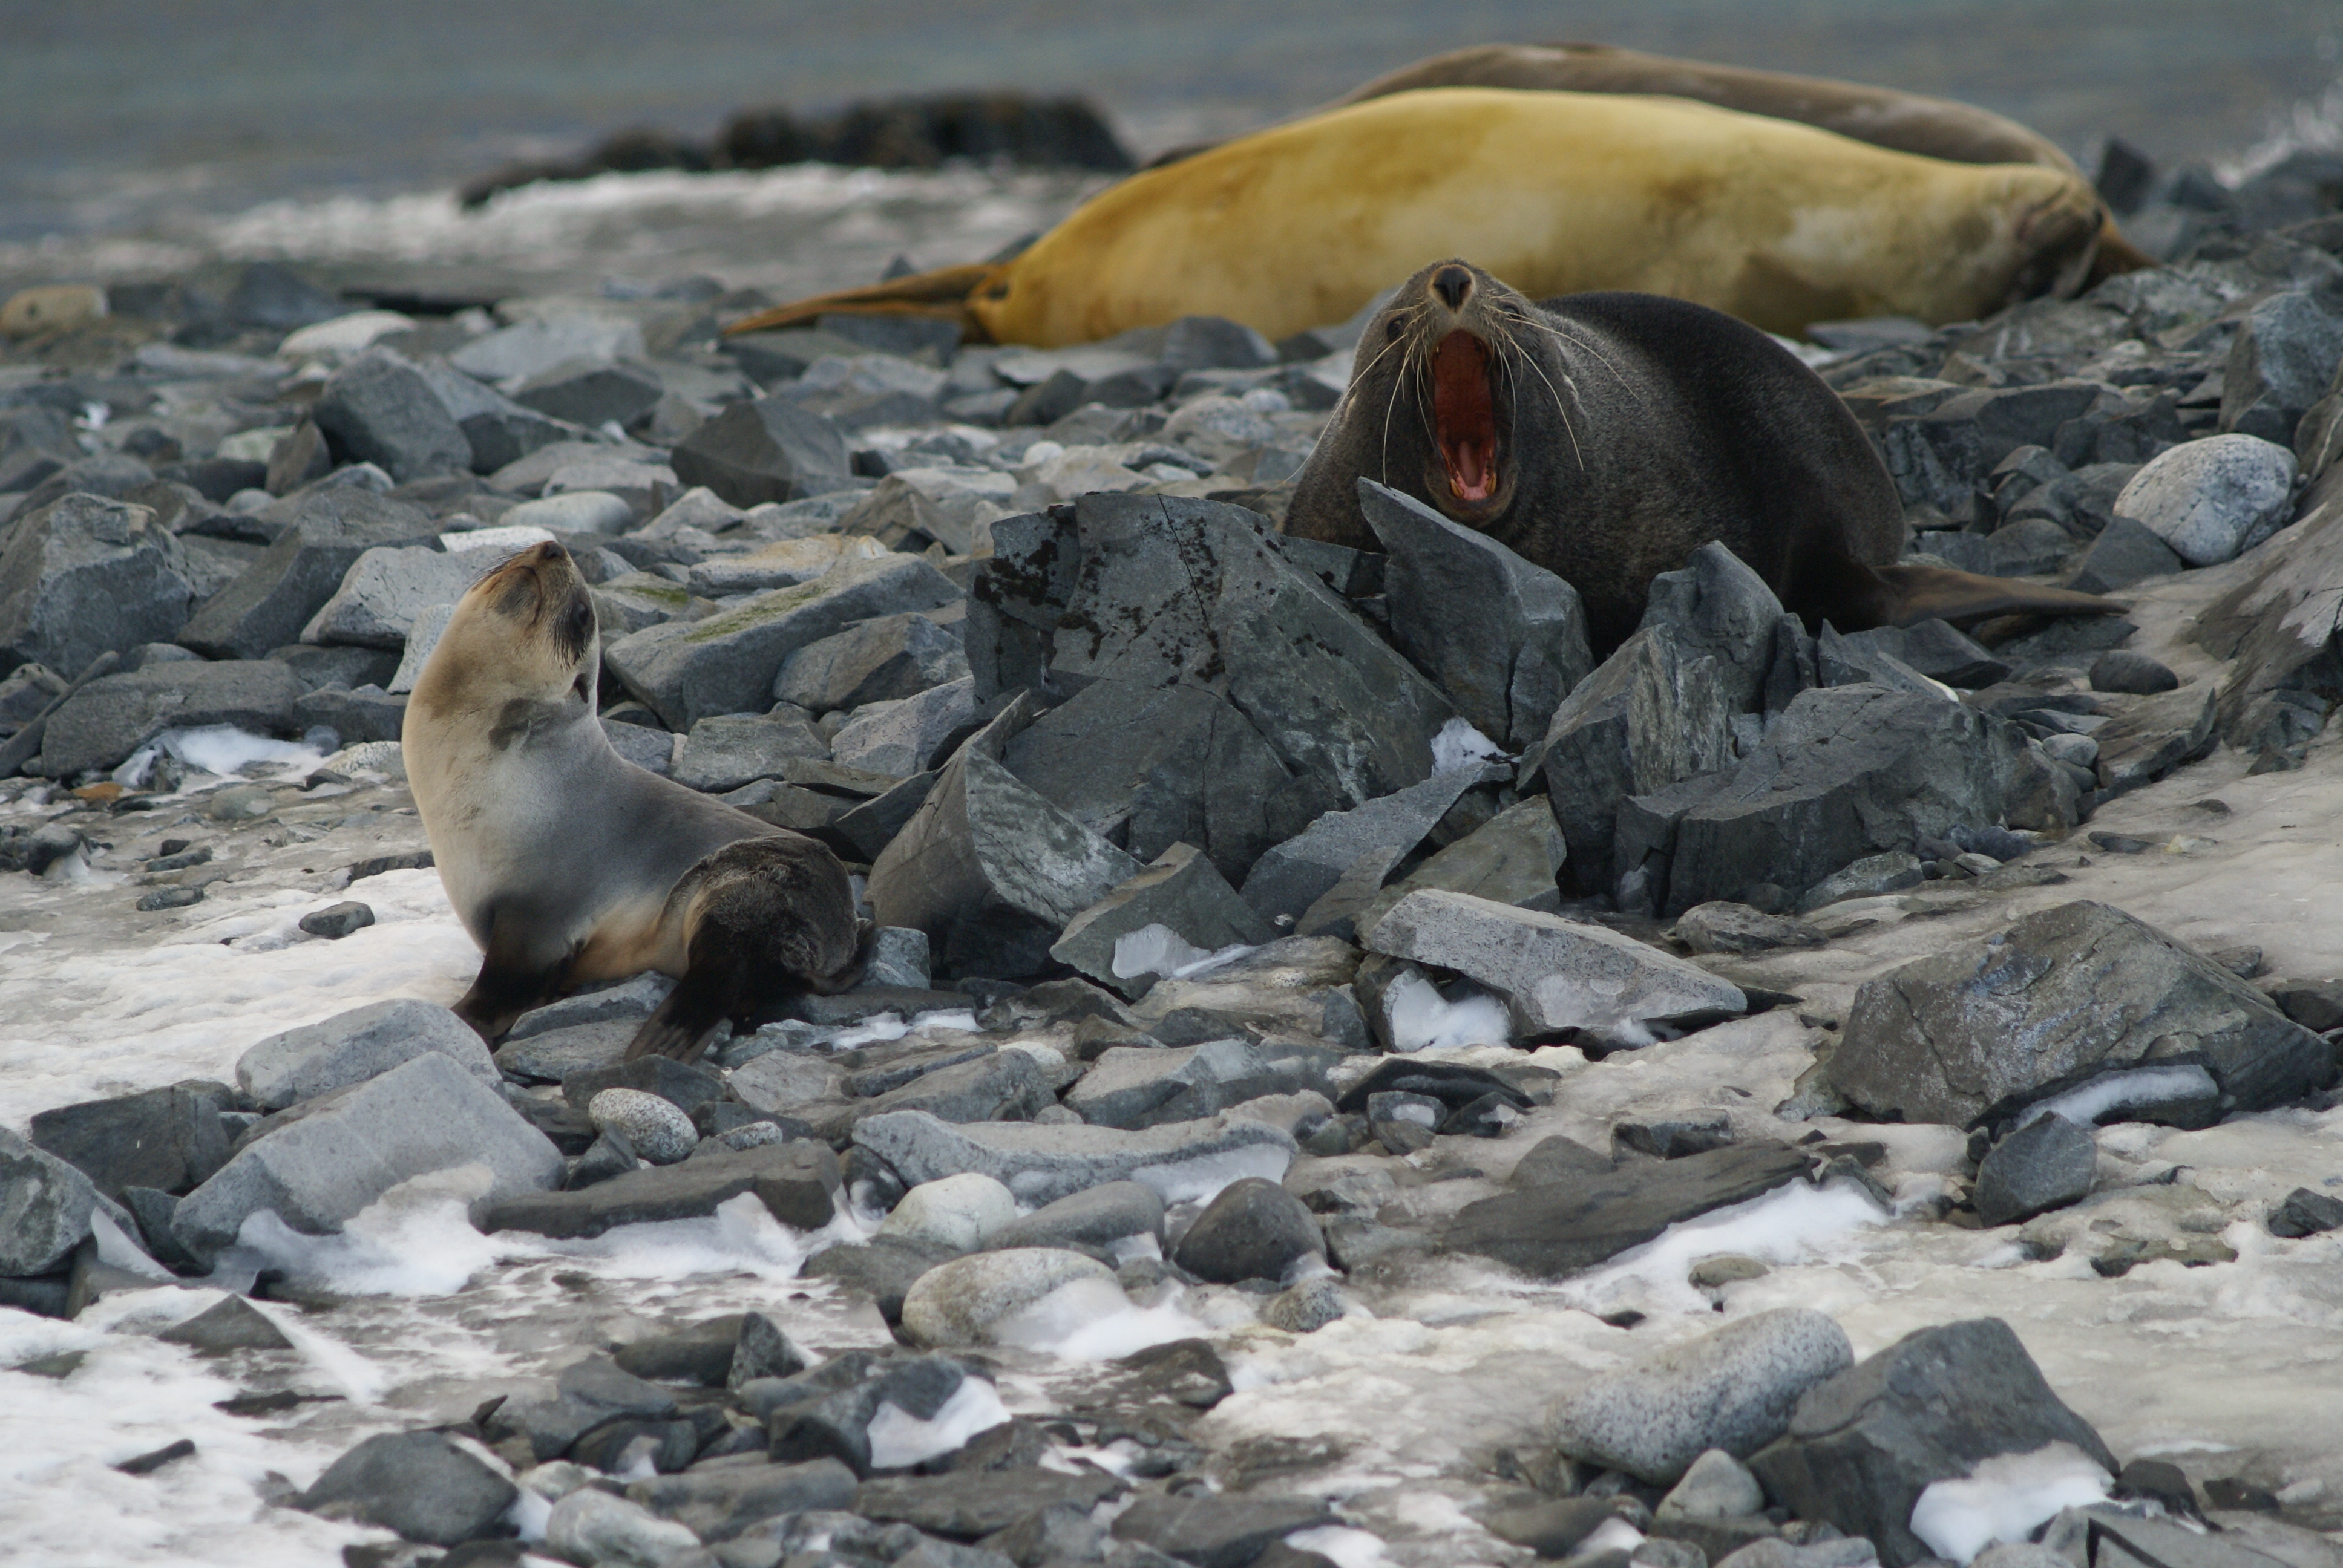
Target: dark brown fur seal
{"points": [[568, 864], [1606, 437]]}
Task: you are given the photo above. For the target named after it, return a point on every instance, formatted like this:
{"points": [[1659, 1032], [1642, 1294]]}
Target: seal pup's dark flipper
{"points": [[513, 978], [1912, 593], [941, 295]]}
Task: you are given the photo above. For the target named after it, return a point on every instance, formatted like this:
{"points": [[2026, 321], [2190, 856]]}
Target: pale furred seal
{"points": [[568, 864], [1606, 436]]}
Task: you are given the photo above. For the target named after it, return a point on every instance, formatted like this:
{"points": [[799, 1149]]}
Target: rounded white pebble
{"points": [[657, 1131], [957, 1211]]}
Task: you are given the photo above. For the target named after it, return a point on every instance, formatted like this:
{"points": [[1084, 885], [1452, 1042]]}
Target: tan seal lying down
{"points": [[568, 864]]}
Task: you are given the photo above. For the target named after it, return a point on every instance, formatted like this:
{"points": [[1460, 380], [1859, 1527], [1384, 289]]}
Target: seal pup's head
{"points": [[1440, 374], [519, 657]]}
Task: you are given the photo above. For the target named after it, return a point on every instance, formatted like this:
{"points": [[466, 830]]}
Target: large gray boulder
{"points": [[380, 409], [768, 450], [1289, 878], [2282, 360], [321, 535], [732, 750], [2213, 499], [1043, 1163], [45, 1207], [1179, 891], [1975, 1034], [1515, 856], [384, 592], [423, 1486], [1506, 641], [2277, 628], [335, 1155], [103, 722], [166, 1139], [1845, 772], [990, 870], [901, 739], [1553, 973], [83, 576], [878, 660], [688, 671], [351, 1046], [1862, 1447]]}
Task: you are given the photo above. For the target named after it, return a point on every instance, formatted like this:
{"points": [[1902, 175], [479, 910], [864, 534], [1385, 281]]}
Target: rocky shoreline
{"points": [[1346, 1076]]}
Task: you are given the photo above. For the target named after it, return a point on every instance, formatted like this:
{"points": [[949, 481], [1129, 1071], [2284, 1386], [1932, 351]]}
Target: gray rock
{"points": [[649, 749], [727, 663], [532, 346], [1289, 878], [2135, 674], [366, 714], [883, 659], [591, 1526], [591, 392], [1550, 1228], [1095, 1218], [1844, 661], [795, 1181], [1772, 1552], [379, 408], [573, 512], [2125, 552], [1180, 891], [957, 1212], [84, 575], [103, 722], [352, 1047], [911, 510], [780, 1081], [1506, 641], [1933, 649], [1717, 607], [1514, 857], [1654, 713], [1873, 874], [685, 1085], [1553, 973], [2278, 625], [632, 1001], [1844, 773], [420, 1484], [1733, 1389], [1215, 1530], [728, 751], [421, 638], [340, 1153], [1254, 1230], [1729, 928], [1001, 1086], [772, 449], [2212, 499], [45, 1207], [1981, 1031], [268, 296], [1718, 1486], [966, 1504], [654, 1128], [901, 738], [719, 1502], [1149, 1086], [1862, 1447], [898, 957], [2047, 1163], [2281, 361], [385, 590], [322, 533], [1042, 1164], [167, 1140], [988, 869], [964, 1301], [230, 1324]]}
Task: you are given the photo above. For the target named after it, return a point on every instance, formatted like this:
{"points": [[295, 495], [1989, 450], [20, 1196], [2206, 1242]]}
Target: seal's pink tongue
{"points": [[1463, 415]]}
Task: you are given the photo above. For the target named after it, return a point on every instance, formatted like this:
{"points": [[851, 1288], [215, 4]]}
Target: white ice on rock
{"points": [[1093, 1319], [221, 750], [2004, 1498], [2086, 1103], [900, 1440], [1160, 951], [1422, 1020], [1459, 745]]}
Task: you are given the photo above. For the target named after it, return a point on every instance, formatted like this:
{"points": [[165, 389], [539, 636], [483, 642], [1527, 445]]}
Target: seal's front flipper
{"points": [[941, 295], [679, 1027], [1907, 594], [512, 979]]}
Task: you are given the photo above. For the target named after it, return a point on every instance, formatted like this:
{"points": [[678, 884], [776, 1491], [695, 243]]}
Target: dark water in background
{"points": [[146, 134]]}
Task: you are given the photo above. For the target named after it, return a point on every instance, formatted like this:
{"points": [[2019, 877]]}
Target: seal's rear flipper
{"points": [[679, 1027], [941, 295], [1911, 593]]}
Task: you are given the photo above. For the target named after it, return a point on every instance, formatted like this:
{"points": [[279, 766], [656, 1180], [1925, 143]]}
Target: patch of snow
{"points": [[898, 1438], [2004, 1498]]}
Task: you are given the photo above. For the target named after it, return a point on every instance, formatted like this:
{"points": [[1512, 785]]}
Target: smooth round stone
{"points": [[1720, 1269], [2119, 669], [2211, 498], [962, 1302], [335, 922], [240, 803], [2076, 750], [1255, 1229], [657, 1129], [1307, 1307], [573, 512], [955, 1211], [1732, 1389]]}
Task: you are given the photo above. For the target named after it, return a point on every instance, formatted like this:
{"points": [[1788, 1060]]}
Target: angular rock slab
{"points": [[2278, 625], [85, 575], [1041, 1164], [982, 843], [386, 590], [343, 1152], [1506, 641], [1552, 973], [421, 1485], [111, 717], [1148, 1086], [1862, 1447], [1553, 1229], [1290, 877], [795, 1182], [1514, 857], [380, 408], [1845, 772], [169, 1139], [352, 1047], [1732, 1389], [323, 532], [1977, 1033], [1180, 891], [45, 1207], [690, 670], [767, 451]]}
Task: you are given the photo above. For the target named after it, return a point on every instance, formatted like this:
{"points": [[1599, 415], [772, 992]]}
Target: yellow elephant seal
{"points": [[1554, 193]]}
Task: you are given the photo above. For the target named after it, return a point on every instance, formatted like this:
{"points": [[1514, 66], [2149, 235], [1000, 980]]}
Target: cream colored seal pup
{"points": [[568, 864], [1777, 223]]}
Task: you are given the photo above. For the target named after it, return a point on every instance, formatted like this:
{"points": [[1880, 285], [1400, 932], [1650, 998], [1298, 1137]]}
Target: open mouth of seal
{"points": [[1465, 417]]}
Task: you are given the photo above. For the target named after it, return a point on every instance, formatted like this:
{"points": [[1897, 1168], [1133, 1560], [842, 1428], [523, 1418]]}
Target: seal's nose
{"points": [[1452, 283]]}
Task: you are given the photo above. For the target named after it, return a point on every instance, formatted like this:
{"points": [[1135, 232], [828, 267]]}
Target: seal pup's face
{"points": [[1450, 359], [519, 655]]}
